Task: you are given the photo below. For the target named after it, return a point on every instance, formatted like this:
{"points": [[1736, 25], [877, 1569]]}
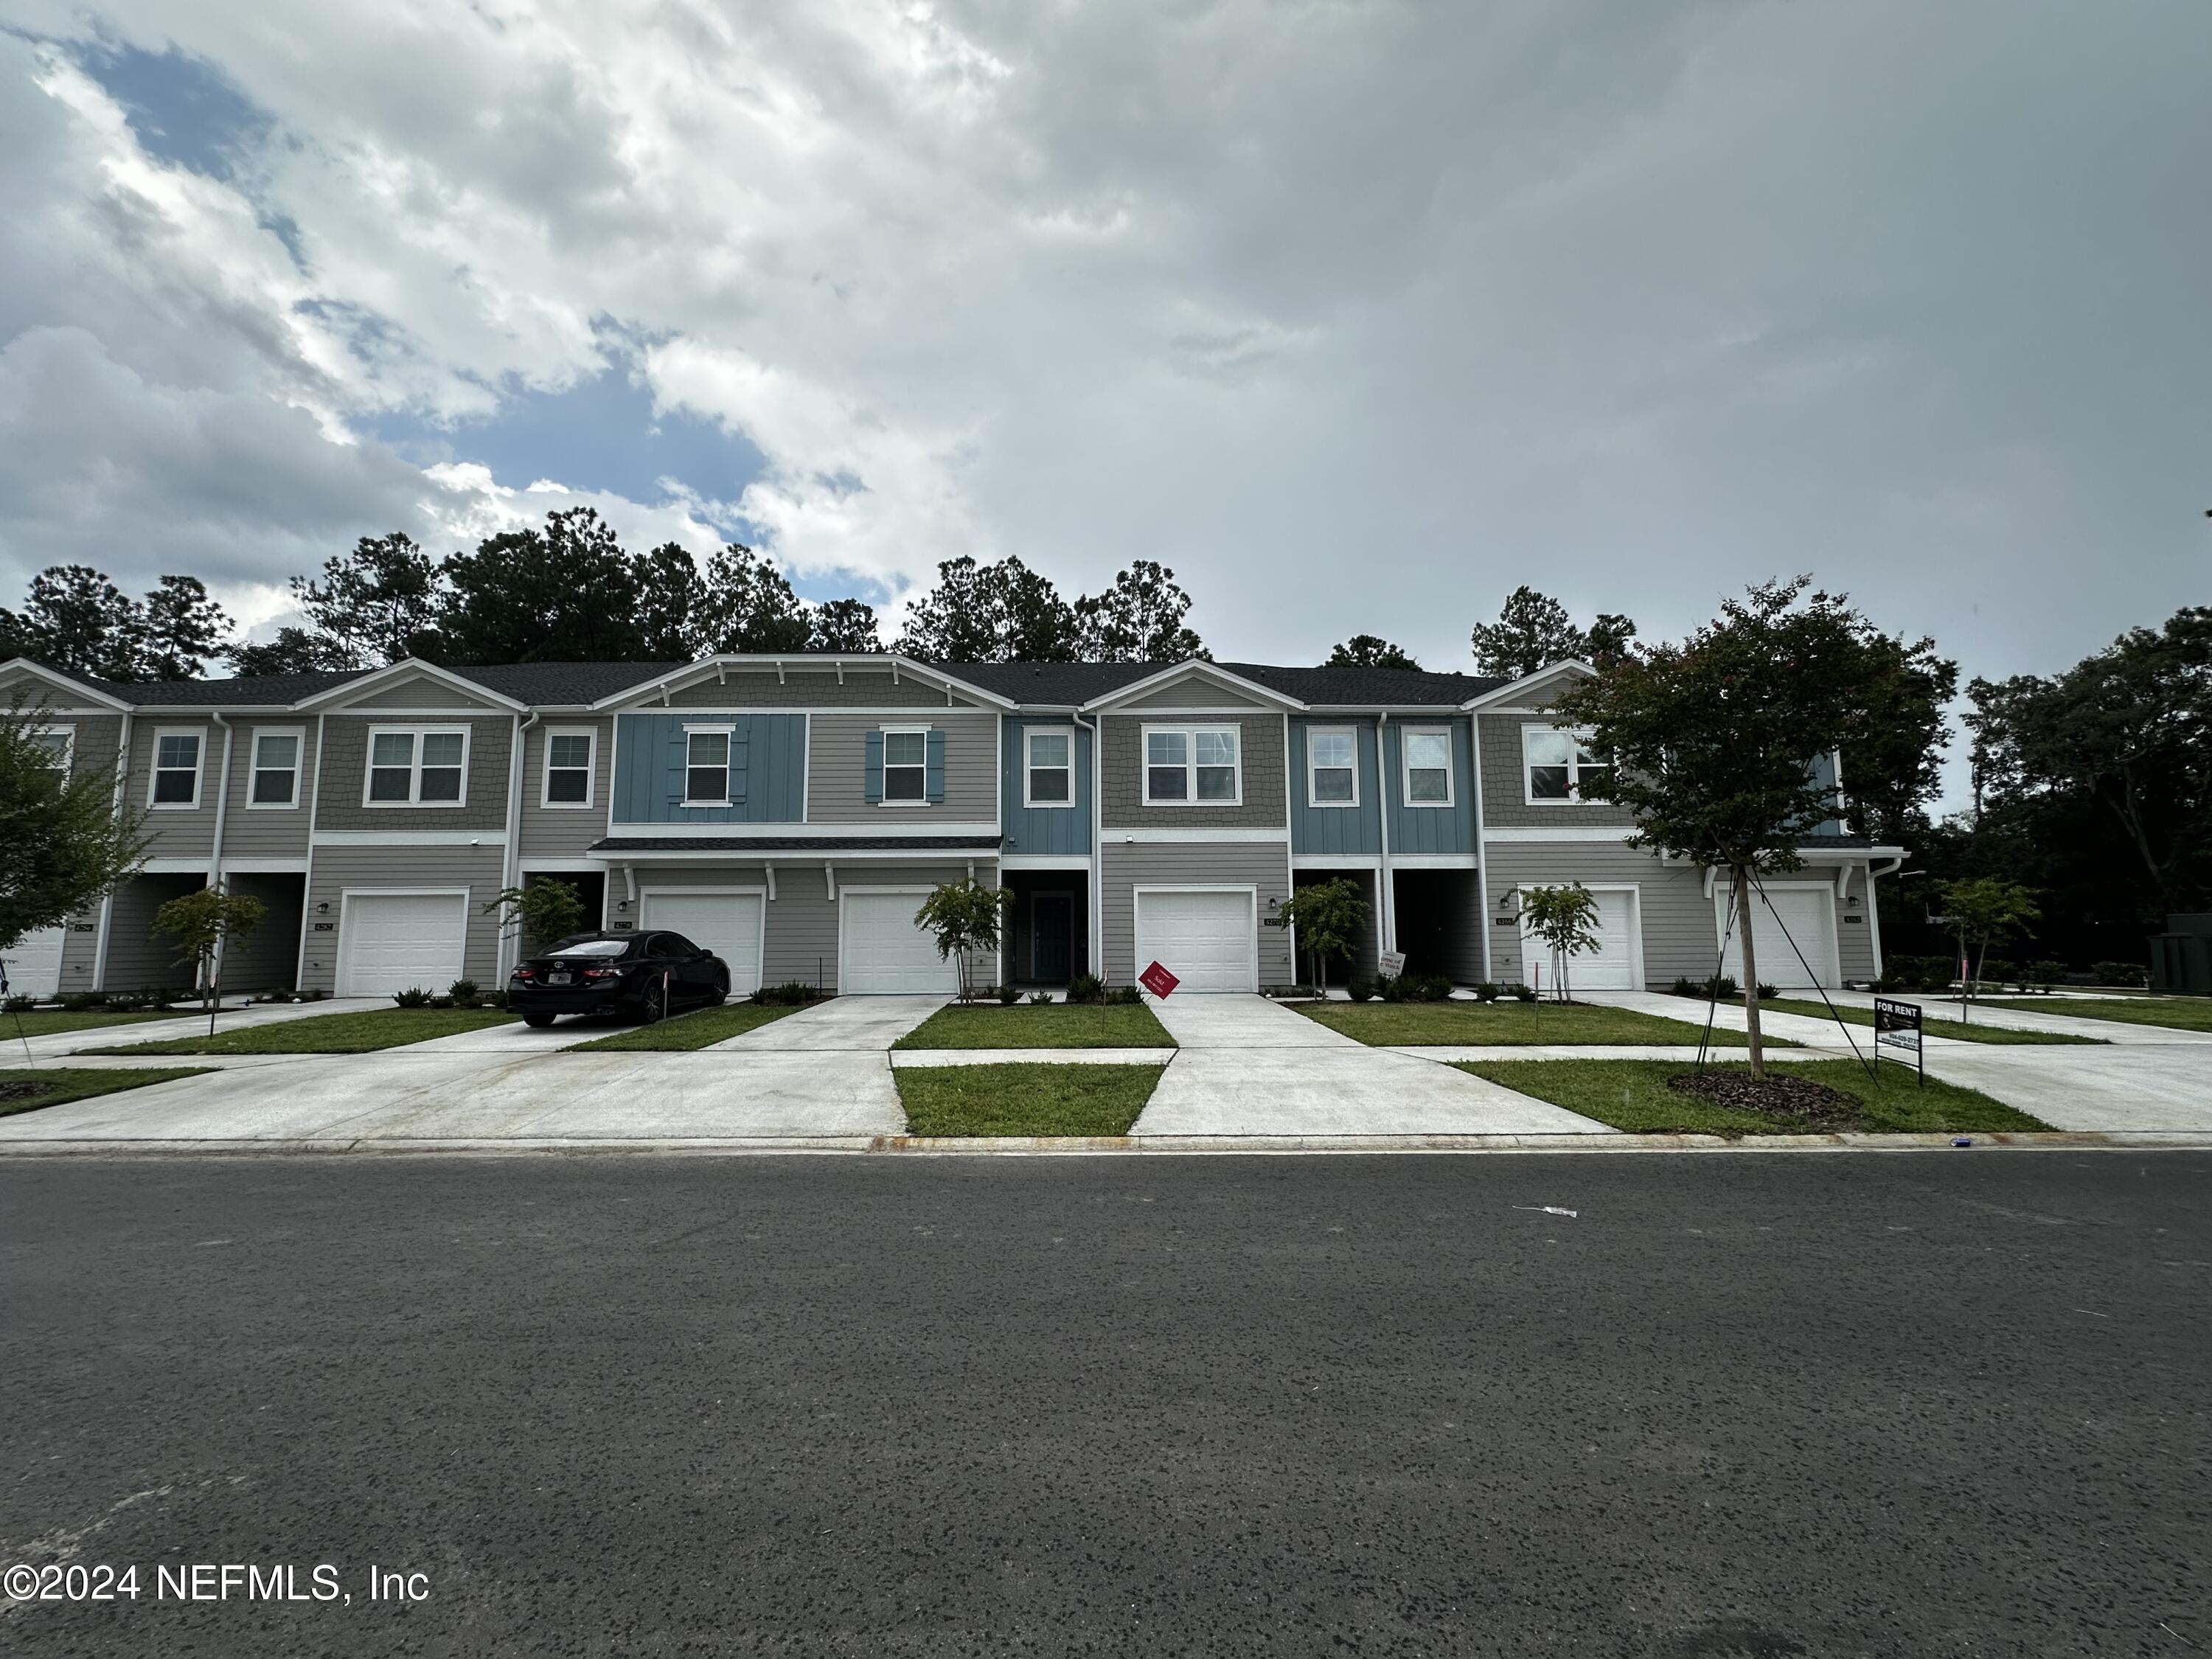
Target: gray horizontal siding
{"points": [[768, 769], [250, 831], [837, 769], [395, 868], [1335, 828], [1679, 936], [1260, 748], [344, 778], [268, 958], [171, 833], [814, 688], [1045, 829], [139, 959], [564, 831], [1505, 786], [1128, 865]]}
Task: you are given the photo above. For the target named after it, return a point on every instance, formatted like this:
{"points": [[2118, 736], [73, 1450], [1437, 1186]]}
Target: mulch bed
{"points": [[1797, 1099], [20, 1090]]}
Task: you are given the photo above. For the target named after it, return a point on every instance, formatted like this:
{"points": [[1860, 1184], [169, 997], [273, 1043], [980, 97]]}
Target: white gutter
{"points": [[1481, 847], [107, 900], [1873, 909], [1096, 909], [314, 782], [1387, 898], [215, 848]]}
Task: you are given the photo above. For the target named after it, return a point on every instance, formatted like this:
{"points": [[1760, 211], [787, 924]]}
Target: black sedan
{"points": [[644, 975]]}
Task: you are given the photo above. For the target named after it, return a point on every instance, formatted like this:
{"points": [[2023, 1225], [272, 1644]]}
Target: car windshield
{"points": [[590, 947]]}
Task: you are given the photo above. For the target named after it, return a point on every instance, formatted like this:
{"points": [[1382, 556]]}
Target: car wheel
{"points": [[721, 993], [653, 1004], [538, 1022]]}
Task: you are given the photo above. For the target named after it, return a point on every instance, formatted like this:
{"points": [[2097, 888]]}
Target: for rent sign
{"points": [[1898, 1025]]}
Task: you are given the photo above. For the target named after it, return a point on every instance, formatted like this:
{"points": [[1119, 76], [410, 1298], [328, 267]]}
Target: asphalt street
{"points": [[1758, 1403]]}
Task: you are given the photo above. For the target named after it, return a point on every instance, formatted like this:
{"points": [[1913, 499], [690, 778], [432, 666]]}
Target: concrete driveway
{"points": [[842, 1025], [1248, 1066]]}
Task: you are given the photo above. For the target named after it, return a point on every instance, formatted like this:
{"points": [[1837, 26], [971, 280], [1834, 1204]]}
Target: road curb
{"points": [[1119, 1146]]}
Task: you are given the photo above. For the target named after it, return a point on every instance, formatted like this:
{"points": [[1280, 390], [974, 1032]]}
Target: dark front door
{"points": [[1052, 937]]}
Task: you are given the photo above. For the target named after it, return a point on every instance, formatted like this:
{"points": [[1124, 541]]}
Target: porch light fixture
{"points": [[323, 908]]}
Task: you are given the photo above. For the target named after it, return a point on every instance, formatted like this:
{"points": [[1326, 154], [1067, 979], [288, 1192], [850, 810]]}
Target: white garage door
{"points": [[880, 952], [1809, 914], [1205, 939], [34, 966], [728, 924], [1611, 967], [394, 941]]}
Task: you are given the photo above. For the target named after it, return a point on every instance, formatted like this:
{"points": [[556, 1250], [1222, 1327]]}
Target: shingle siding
{"points": [[339, 804], [1505, 803], [1195, 692], [1261, 748], [419, 691]]}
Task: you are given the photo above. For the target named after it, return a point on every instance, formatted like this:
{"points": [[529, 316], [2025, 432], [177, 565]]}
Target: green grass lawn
{"points": [[2182, 1013], [1394, 1024], [1033, 1098], [45, 1021], [1633, 1095], [1930, 1024], [703, 1030], [27, 1091], [360, 1032], [1040, 1025]]}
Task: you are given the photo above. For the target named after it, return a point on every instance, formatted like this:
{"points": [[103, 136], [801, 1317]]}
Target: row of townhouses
{"points": [[789, 813]]}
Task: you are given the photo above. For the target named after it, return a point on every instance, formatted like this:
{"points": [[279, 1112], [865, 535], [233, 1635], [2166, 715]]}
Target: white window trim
{"points": [[727, 730], [1406, 770], [155, 769], [415, 801], [299, 735], [1190, 761], [591, 736], [1576, 734], [1030, 734], [68, 735], [1312, 798], [906, 731]]}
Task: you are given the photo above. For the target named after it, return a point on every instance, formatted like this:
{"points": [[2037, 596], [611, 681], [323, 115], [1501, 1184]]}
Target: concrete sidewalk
{"points": [[1247, 1067], [56, 1045], [2056, 1023]]}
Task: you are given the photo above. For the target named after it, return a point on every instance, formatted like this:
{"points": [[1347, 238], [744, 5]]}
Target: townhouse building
{"points": [[790, 812]]}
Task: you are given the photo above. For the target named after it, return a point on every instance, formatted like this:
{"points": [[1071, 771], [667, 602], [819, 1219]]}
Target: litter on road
{"points": [[1545, 1209]]}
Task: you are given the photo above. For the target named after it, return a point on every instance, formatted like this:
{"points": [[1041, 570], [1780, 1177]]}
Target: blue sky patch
{"points": [[181, 108]]}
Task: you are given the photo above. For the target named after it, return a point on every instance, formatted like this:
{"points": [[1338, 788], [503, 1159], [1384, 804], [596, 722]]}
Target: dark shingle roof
{"points": [[567, 682], [260, 690]]}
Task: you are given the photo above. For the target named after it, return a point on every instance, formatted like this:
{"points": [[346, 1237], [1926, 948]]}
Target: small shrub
{"points": [[16, 1004], [1040, 999], [2046, 975], [1085, 987], [413, 997], [792, 994], [1521, 992], [1391, 987], [2120, 973], [465, 994], [1437, 988], [78, 1002], [1723, 987], [1360, 990], [1767, 992], [1008, 996], [1486, 992], [1122, 995], [1995, 970], [1684, 986]]}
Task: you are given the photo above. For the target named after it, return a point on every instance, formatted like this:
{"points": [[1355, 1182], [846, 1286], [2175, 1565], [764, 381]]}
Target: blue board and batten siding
{"points": [[1043, 830], [1416, 829], [767, 769], [1324, 829]]}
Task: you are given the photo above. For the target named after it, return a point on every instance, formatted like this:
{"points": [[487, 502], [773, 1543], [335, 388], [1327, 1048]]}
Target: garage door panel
{"points": [[34, 964], [1611, 965], [1786, 917], [1206, 940], [397, 941], [728, 924], [881, 952]]}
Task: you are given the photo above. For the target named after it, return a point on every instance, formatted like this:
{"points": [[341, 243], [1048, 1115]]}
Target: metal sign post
{"points": [[1898, 1025]]}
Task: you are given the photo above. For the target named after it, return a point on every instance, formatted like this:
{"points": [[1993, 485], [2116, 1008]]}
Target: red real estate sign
{"points": [[1156, 980]]}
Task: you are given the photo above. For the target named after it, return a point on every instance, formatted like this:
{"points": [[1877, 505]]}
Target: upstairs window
{"points": [[1428, 761], [1332, 779], [1192, 766], [176, 770], [1560, 765], [416, 768], [56, 746], [906, 767], [568, 768], [706, 768], [275, 779], [1050, 772]]}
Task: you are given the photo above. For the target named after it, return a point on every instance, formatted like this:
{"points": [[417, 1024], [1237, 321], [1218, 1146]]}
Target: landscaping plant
{"points": [[966, 918], [1325, 917], [540, 912], [1982, 911], [199, 924], [68, 844], [1565, 919]]}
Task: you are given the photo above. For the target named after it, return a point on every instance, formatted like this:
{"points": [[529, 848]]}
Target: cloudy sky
{"points": [[1356, 314]]}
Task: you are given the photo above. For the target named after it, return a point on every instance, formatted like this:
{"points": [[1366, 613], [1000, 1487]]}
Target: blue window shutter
{"points": [[933, 770], [678, 756], [875, 766], [739, 744]]}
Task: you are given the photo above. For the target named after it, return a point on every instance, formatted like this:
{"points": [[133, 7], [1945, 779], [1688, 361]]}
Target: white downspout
{"points": [[314, 782], [214, 846], [107, 901], [1095, 911], [1388, 895], [1481, 847], [1873, 909], [510, 864]]}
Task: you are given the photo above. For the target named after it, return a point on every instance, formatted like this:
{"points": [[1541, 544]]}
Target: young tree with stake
{"points": [[201, 923], [1983, 911], [1565, 919], [1711, 742], [1324, 916], [964, 917]]}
